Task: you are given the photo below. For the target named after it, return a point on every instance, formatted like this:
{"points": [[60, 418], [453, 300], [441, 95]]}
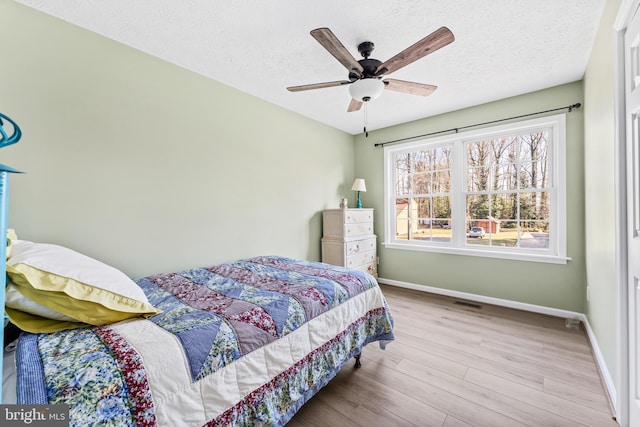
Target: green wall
{"points": [[600, 200], [150, 167], [551, 285]]}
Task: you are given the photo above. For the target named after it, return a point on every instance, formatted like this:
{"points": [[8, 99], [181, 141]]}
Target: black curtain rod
{"points": [[569, 107]]}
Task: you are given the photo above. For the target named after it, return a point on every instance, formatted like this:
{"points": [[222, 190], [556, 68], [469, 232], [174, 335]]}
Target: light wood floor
{"points": [[453, 366]]}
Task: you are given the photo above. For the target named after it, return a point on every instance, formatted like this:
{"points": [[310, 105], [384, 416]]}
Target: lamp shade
{"points": [[366, 89], [359, 185]]}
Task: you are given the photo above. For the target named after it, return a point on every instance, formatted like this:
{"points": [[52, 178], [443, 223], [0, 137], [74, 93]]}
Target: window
{"points": [[496, 192]]}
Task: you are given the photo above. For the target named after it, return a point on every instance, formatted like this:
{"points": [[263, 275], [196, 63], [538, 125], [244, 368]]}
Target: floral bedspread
{"points": [[243, 343]]}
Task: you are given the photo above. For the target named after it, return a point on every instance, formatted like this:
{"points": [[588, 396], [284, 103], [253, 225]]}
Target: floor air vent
{"points": [[468, 304]]}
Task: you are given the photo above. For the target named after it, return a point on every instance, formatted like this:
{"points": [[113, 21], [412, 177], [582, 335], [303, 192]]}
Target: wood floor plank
{"points": [[542, 356], [536, 364], [412, 384], [565, 351], [444, 364], [409, 409], [453, 365], [489, 398], [539, 399], [454, 422], [597, 401], [513, 373]]}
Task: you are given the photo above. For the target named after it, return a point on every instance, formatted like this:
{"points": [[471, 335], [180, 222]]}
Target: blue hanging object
{"points": [[5, 140]]}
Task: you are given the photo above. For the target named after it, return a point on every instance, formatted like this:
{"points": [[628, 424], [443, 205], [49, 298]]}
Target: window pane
{"points": [[504, 206], [441, 207], [402, 225], [479, 153], [477, 207], [421, 207], [532, 236], [422, 229], [507, 237], [534, 220], [501, 168], [475, 233], [502, 150], [534, 175], [441, 232], [478, 179], [534, 206], [402, 208], [505, 177], [403, 185], [535, 144], [402, 229], [421, 183], [423, 161], [442, 181], [442, 158], [403, 163], [524, 151]]}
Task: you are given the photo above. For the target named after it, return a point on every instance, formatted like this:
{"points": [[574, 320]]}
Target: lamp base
{"points": [[358, 202]]}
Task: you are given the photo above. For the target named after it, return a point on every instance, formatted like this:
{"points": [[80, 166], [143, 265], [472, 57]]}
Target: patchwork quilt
{"points": [[242, 343]]}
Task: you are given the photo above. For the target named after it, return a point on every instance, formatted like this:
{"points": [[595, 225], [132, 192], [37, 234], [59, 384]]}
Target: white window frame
{"points": [[557, 251]]}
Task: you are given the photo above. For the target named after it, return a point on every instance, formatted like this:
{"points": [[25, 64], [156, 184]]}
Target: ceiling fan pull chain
{"points": [[366, 134]]}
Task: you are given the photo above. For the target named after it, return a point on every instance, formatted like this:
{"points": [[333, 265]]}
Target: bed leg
{"points": [[357, 357]]}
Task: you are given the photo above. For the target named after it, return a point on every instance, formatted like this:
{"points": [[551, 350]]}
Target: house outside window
{"points": [[495, 192]]}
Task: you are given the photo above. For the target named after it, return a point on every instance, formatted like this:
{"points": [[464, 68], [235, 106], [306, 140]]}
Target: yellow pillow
{"points": [[36, 324], [81, 289]]}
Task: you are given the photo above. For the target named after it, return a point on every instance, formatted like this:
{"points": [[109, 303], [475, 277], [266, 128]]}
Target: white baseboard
{"points": [[604, 371]]}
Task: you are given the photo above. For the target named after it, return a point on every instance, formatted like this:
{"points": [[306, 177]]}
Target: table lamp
{"points": [[359, 185]]}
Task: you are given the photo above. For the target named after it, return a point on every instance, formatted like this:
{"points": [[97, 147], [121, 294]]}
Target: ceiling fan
{"points": [[366, 75]]}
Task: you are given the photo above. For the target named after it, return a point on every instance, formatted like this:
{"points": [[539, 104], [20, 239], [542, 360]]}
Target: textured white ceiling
{"points": [[502, 48]]}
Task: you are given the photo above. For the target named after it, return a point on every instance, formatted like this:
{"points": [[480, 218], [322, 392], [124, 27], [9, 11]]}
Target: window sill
{"points": [[487, 253]]}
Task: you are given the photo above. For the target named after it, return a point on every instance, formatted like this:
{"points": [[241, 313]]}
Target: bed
{"points": [[241, 343]]}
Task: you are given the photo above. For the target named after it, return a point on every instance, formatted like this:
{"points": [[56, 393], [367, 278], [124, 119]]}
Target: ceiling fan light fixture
{"points": [[366, 89]]}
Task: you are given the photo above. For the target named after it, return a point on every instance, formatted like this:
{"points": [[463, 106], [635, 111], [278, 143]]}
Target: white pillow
{"points": [[70, 284], [14, 299]]}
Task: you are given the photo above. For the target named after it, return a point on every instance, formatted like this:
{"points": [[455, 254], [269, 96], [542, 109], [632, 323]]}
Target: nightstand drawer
{"points": [[358, 229], [371, 268], [354, 261], [342, 223], [353, 216], [359, 246]]}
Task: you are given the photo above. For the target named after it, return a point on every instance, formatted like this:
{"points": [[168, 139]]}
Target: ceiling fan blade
{"points": [[411, 88], [317, 85], [354, 105], [329, 41], [434, 41]]}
